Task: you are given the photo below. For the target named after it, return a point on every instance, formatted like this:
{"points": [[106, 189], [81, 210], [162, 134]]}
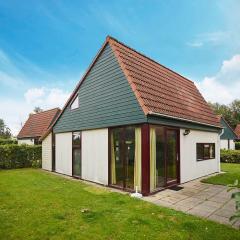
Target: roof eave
{"points": [[183, 119]]}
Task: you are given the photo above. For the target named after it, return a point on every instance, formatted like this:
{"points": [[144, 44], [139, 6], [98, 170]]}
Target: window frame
{"points": [[76, 97], [74, 147], [203, 158]]}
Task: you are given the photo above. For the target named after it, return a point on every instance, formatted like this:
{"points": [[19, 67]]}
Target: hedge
{"points": [[20, 156], [237, 145], [230, 156], [4, 141]]}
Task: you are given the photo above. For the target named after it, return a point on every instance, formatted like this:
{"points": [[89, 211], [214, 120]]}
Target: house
{"points": [[228, 136], [133, 123], [36, 125], [237, 132]]}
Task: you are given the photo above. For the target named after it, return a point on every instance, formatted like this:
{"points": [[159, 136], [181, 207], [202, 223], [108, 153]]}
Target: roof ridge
{"points": [[142, 54], [57, 108]]}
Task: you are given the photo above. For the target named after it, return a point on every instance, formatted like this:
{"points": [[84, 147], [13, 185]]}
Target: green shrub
{"points": [[230, 156], [4, 141], [237, 145], [20, 156]]}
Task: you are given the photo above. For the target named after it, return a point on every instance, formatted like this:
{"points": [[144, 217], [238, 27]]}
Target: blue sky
{"points": [[46, 46]]}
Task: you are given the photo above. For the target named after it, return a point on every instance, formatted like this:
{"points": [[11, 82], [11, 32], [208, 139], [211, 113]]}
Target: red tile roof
{"points": [[237, 131], [38, 123], [160, 90]]}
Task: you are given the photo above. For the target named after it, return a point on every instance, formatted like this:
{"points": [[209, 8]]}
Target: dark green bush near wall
{"points": [[4, 141], [20, 156], [237, 145], [230, 156]]}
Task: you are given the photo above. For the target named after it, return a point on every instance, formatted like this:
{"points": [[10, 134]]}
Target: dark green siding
{"points": [[228, 132], [181, 124], [105, 99]]}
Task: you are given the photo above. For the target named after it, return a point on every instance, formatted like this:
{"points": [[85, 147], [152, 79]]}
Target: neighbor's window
{"points": [[75, 103], [205, 151]]}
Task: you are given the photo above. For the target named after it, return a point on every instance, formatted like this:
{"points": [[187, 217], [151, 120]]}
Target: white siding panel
{"points": [[64, 153], [47, 153], [190, 168], [224, 144], [95, 155], [232, 145], [28, 141]]}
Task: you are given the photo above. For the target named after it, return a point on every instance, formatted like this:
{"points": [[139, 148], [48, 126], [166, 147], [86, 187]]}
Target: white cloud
{"points": [[213, 38], [224, 87], [195, 44], [15, 112], [46, 97]]}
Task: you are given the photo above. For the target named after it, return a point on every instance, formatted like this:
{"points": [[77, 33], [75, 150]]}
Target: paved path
{"points": [[200, 199]]}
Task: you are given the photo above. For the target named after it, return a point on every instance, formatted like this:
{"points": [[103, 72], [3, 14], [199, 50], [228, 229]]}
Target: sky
{"points": [[46, 46]]}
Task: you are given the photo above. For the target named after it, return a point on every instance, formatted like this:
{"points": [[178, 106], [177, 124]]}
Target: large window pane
{"points": [[126, 157], [117, 173], [160, 165], [76, 148], [205, 151], [76, 139], [157, 164], [171, 155], [129, 156], [77, 162]]}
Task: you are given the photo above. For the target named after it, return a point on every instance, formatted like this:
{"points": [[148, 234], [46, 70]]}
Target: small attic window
{"points": [[75, 103]]}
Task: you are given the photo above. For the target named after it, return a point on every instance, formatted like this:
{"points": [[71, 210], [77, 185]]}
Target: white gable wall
{"points": [[47, 153], [190, 168], [64, 153], [224, 144], [95, 155], [28, 141]]}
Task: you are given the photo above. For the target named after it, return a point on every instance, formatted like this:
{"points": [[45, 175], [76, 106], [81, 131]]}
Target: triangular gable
{"points": [[105, 98]]}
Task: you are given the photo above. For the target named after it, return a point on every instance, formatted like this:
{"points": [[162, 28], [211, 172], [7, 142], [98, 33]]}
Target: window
{"points": [[125, 170], [205, 151], [76, 157], [75, 103]]}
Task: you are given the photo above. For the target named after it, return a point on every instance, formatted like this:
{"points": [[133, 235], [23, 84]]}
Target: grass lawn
{"points": [[232, 173], [38, 205]]}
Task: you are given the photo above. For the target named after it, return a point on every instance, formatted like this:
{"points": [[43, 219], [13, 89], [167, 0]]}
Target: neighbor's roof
{"points": [[226, 133], [158, 89], [38, 123], [237, 131]]}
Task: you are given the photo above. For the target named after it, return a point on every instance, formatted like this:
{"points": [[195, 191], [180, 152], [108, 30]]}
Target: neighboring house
{"points": [[228, 136], [237, 132], [36, 125], [131, 122]]}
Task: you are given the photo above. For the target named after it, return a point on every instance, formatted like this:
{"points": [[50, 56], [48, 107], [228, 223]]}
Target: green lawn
{"points": [[232, 173], [38, 205]]}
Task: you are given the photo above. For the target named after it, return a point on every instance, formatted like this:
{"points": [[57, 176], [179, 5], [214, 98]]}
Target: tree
{"points": [[230, 112], [5, 132], [37, 110]]}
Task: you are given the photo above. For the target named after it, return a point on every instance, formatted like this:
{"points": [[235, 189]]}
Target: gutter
{"points": [[183, 119]]}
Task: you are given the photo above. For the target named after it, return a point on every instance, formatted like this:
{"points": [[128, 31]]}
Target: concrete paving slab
{"points": [[200, 199]]}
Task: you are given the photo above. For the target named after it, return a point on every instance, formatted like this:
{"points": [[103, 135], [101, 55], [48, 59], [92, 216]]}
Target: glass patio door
{"points": [[125, 157], [171, 156]]}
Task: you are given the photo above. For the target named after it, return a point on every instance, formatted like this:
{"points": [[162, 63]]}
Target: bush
{"points": [[4, 141], [20, 156], [230, 156], [237, 145]]}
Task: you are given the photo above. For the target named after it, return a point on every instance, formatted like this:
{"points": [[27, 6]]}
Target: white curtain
{"points": [[137, 160], [153, 180]]}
